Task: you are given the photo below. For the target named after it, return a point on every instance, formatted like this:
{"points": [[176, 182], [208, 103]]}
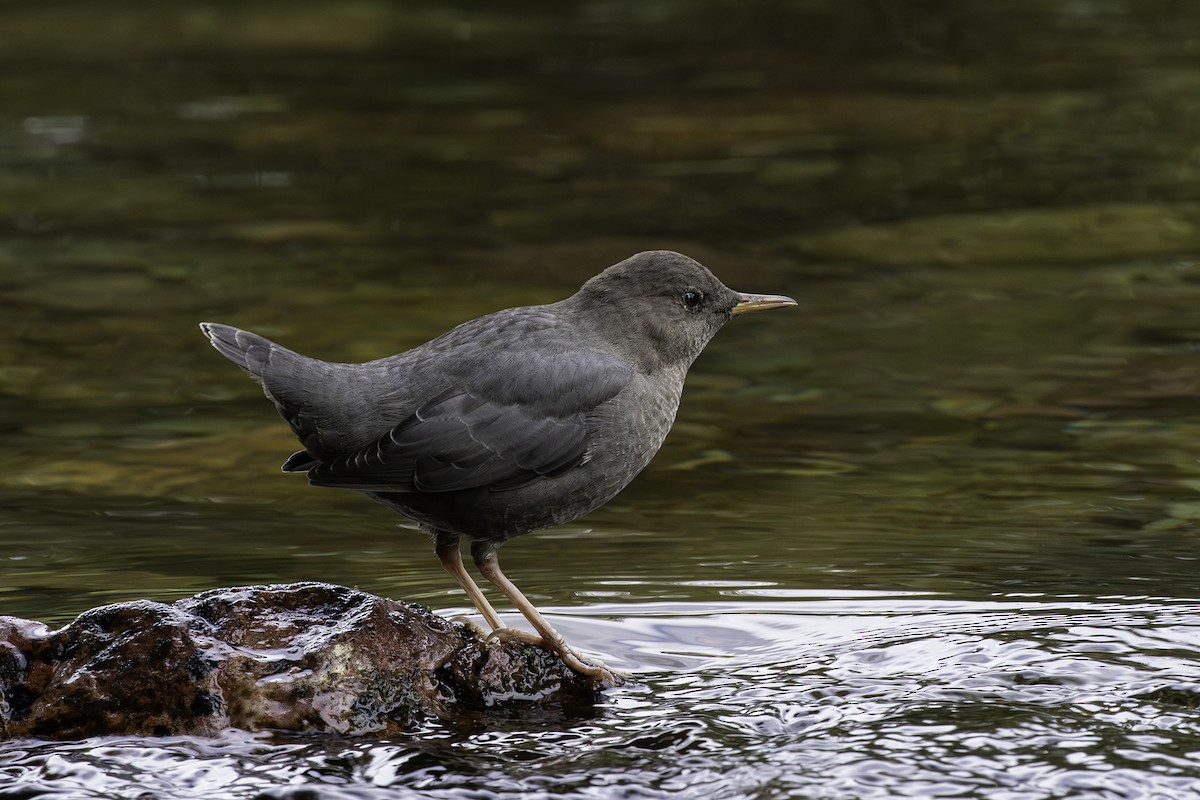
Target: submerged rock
{"points": [[293, 657]]}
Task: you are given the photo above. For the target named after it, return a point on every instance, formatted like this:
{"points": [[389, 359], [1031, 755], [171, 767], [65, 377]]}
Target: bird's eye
{"points": [[692, 298]]}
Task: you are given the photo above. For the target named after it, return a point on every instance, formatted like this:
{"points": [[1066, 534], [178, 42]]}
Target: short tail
{"points": [[248, 350], [296, 384]]}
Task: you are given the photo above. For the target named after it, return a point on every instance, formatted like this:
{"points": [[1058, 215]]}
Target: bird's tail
{"points": [[287, 378], [248, 350]]}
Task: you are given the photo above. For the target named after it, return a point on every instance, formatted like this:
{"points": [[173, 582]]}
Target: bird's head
{"points": [[661, 308]]}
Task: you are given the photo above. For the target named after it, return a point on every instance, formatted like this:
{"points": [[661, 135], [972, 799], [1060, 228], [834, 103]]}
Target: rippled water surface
{"points": [[933, 533], [857, 695]]}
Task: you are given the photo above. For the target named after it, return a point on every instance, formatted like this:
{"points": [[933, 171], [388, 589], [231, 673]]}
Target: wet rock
{"points": [[294, 657]]}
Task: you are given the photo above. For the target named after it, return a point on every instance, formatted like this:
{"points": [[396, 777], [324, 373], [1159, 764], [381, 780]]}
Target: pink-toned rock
{"points": [[294, 657]]}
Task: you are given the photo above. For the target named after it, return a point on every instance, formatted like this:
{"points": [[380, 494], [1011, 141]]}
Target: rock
{"points": [[292, 657]]}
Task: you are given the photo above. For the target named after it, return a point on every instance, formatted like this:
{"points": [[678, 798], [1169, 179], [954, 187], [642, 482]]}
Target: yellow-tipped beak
{"points": [[761, 302]]}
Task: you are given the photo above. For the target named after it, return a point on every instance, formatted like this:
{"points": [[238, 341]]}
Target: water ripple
{"points": [[863, 696]]}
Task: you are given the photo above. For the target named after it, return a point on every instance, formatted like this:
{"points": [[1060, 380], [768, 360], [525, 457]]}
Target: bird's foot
{"points": [[507, 634], [594, 668], [597, 670]]}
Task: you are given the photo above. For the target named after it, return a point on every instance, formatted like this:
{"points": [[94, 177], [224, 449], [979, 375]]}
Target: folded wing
{"points": [[500, 435]]}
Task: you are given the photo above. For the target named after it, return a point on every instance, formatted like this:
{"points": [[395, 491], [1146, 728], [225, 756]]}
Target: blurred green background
{"points": [[988, 212]]}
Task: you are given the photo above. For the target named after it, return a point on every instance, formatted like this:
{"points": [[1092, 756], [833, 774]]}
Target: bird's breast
{"points": [[630, 429]]}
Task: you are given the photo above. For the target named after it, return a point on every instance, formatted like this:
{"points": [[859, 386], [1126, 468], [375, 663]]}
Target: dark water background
{"points": [[931, 534]]}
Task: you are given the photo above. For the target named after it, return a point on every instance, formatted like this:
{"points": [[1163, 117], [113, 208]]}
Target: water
{"points": [[931, 534], [862, 694]]}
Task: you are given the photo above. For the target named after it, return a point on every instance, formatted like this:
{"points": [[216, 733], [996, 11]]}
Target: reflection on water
{"points": [[859, 695], [932, 534]]}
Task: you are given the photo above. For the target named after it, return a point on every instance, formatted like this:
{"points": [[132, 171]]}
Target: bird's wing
{"points": [[525, 421]]}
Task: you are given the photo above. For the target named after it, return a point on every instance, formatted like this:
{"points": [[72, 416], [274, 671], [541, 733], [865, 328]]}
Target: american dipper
{"points": [[518, 420]]}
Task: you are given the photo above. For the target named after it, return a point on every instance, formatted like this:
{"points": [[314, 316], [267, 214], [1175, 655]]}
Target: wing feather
{"points": [[487, 435]]}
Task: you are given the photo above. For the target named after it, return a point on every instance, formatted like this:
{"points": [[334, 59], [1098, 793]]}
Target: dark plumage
{"points": [[518, 420]]}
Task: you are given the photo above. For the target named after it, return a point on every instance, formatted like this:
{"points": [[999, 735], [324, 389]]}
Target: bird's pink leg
{"points": [[485, 559], [447, 551]]}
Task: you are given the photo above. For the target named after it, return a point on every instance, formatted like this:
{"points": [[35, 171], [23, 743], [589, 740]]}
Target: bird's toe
{"points": [[602, 673], [516, 635], [594, 668]]}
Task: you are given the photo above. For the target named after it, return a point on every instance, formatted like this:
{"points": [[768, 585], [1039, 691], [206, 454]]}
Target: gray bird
{"points": [[518, 420]]}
